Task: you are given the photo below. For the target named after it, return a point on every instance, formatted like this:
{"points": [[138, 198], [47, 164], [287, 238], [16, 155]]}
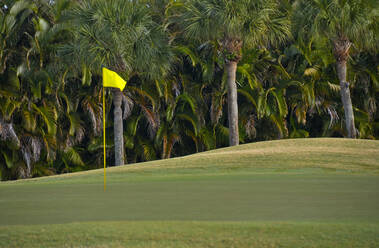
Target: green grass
{"points": [[288, 193], [192, 234]]}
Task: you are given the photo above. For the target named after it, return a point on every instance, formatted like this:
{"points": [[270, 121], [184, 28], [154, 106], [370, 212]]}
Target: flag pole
{"points": [[105, 156], [110, 79]]}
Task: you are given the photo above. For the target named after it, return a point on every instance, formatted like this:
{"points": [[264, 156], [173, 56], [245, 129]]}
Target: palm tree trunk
{"points": [[231, 68], [341, 47], [118, 128], [346, 99]]}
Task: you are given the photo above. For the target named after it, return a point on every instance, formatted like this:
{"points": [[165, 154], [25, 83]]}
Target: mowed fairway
{"points": [[288, 193]]}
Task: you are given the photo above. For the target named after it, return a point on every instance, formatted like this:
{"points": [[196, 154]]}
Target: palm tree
{"points": [[122, 36], [14, 24], [18, 148], [345, 24], [263, 81], [234, 25], [364, 67]]}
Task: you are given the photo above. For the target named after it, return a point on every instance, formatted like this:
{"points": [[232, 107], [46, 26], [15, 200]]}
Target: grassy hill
{"points": [[287, 193]]}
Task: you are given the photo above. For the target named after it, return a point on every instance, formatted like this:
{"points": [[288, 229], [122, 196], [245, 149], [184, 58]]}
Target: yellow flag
{"points": [[112, 79]]}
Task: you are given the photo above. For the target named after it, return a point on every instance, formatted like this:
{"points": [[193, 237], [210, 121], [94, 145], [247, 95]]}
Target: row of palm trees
{"points": [[185, 62]]}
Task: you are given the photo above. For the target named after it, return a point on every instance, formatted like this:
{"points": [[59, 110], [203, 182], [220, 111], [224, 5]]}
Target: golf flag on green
{"points": [[110, 79]]}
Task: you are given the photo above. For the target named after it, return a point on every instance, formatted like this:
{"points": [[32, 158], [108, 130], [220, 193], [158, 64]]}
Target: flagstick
{"points": [[105, 156]]}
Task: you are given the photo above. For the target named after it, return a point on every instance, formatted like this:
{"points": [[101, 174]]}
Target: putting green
{"points": [[330, 186], [224, 197]]}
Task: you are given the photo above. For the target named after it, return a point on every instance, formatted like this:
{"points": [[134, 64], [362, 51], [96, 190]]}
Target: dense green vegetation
{"points": [[287, 193], [299, 69]]}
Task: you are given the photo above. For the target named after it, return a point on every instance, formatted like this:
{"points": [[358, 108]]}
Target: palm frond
{"points": [[49, 116], [72, 157]]}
